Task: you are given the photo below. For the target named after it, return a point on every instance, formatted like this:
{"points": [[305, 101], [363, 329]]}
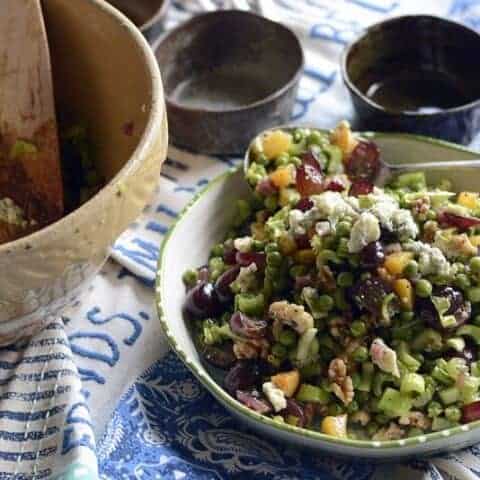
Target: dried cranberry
{"points": [[229, 256], [246, 258], [368, 294], [242, 376], [309, 176], [458, 221], [202, 301], [295, 410], [222, 285], [471, 412], [364, 162], [221, 356], [459, 308], [302, 241], [334, 186], [372, 256], [247, 327], [360, 187], [253, 401], [304, 204], [266, 187]]}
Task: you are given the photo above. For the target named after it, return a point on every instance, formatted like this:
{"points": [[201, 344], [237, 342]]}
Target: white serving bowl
{"points": [[204, 222]]}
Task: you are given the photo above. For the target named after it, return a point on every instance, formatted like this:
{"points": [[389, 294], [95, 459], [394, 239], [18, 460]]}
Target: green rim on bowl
{"points": [[215, 389]]}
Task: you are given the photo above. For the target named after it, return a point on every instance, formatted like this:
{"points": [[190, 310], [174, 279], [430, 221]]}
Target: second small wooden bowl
{"points": [[228, 75]]}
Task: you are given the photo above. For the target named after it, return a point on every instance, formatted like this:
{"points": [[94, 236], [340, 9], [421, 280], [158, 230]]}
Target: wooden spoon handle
{"points": [[27, 110]]}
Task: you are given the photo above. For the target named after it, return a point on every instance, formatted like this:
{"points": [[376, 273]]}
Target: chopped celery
{"points": [[412, 383], [457, 343], [429, 340], [449, 395], [440, 372], [434, 409], [469, 389], [389, 308], [394, 403], [442, 305], [470, 331], [411, 363], [441, 423], [335, 156], [312, 393], [379, 380], [255, 173], [475, 369], [423, 399], [413, 180]]}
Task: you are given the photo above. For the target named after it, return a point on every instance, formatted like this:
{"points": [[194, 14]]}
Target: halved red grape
{"points": [[248, 327], [369, 293], [304, 204], [471, 412], [266, 187], [364, 162], [222, 285], [220, 356], [462, 223], [242, 376], [360, 187], [334, 186], [372, 256], [246, 258], [253, 401], [202, 301], [309, 176]]}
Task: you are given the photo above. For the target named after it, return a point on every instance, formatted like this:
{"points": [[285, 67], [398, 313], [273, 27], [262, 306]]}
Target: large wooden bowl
{"points": [[106, 76]]}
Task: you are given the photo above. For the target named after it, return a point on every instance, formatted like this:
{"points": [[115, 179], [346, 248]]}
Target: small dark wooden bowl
{"points": [[408, 43], [145, 14], [228, 75]]}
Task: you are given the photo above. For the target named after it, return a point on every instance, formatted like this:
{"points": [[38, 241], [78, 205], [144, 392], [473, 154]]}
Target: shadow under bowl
{"points": [[148, 15], [227, 75], [415, 74]]}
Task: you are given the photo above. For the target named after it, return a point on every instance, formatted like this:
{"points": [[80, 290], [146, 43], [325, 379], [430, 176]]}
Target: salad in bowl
{"points": [[338, 306]]}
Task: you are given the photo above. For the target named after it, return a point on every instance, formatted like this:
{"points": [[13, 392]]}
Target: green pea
{"points": [[296, 161], [297, 271], [298, 135], [282, 160], [423, 288], [372, 428], [473, 294], [274, 259], [335, 410], [288, 338], [343, 229], [476, 320], [325, 303], [459, 267], [411, 269], [358, 328], [345, 279], [360, 354], [279, 351], [271, 247], [434, 409], [315, 137], [328, 255], [475, 264], [190, 278], [217, 250], [352, 407], [431, 215], [258, 245], [271, 203], [407, 316], [453, 414], [462, 281]]}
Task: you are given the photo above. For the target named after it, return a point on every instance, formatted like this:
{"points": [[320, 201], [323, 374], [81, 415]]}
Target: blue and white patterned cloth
{"points": [[64, 412]]}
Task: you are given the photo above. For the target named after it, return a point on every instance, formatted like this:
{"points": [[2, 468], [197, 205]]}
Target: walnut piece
{"points": [[415, 419], [337, 370], [292, 315], [392, 432], [362, 417], [344, 390]]}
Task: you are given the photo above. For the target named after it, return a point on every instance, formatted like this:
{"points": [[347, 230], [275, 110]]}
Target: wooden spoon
{"points": [[30, 170]]}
